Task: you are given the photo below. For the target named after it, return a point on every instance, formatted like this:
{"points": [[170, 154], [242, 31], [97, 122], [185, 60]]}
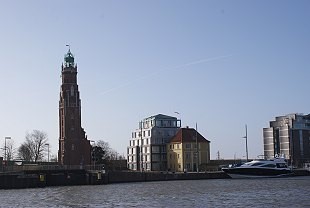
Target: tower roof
{"points": [[69, 58]]}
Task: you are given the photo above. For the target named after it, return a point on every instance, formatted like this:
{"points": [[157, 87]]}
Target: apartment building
{"points": [[147, 146]]}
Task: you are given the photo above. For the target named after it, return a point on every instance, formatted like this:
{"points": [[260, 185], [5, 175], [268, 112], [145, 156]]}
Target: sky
{"points": [[221, 64]]}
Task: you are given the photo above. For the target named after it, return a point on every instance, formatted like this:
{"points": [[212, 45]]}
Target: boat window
{"points": [[281, 165], [257, 164], [269, 166]]}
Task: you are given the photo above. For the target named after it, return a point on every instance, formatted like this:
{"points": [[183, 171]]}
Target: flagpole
{"points": [[197, 153], [246, 143]]}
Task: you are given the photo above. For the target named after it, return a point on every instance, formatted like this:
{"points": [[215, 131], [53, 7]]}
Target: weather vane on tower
{"points": [[68, 46]]}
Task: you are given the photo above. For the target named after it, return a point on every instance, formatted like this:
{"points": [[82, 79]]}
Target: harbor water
{"points": [[269, 192]]}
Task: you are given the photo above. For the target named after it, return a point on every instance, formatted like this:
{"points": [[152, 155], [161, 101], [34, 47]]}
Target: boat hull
{"points": [[256, 172]]}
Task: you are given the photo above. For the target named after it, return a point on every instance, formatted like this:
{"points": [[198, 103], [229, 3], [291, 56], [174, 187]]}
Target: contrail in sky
{"points": [[166, 69]]}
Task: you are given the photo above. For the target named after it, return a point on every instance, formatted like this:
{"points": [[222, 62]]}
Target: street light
{"points": [[141, 147], [5, 156], [197, 153], [178, 114], [93, 156], [48, 152], [246, 142]]}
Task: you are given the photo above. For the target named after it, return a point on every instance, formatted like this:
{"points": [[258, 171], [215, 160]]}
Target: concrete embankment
{"points": [[39, 178], [127, 176], [32, 179]]}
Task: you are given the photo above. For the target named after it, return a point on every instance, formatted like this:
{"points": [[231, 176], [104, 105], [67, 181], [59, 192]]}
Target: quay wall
{"points": [[127, 176], [33, 179]]}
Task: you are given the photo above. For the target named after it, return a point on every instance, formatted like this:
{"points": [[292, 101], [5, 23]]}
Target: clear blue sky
{"points": [[222, 64]]}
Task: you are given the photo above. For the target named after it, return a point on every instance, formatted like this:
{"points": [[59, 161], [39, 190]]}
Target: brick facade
{"points": [[74, 148]]}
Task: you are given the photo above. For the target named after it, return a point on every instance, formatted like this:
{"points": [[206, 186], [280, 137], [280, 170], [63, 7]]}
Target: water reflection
{"points": [[280, 192]]}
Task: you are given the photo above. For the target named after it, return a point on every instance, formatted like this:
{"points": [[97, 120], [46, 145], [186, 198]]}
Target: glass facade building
{"points": [[288, 136]]}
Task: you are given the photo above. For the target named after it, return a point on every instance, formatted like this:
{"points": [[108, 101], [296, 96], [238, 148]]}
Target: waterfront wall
{"points": [[82, 177], [121, 177], [34, 179]]}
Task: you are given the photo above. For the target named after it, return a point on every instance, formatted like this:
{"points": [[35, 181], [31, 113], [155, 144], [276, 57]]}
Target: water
{"points": [[272, 192]]}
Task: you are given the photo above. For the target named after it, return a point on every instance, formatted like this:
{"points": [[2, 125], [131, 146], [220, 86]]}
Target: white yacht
{"points": [[260, 168]]}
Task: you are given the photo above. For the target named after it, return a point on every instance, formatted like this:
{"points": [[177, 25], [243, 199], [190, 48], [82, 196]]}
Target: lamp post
{"points": [[48, 152], [197, 153], [141, 147], [5, 156], [93, 153], [246, 143], [177, 119]]}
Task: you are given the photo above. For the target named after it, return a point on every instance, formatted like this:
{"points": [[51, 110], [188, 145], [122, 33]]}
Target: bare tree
{"points": [[114, 155], [108, 152], [53, 158], [34, 147], [107, 155], [10, 150], [24, 152]]}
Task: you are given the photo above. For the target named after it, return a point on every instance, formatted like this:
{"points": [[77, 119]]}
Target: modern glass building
{"points": [[289, 136]]}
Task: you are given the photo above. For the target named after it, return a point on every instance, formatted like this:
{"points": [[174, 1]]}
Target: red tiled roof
{"points": [[187, 135]]}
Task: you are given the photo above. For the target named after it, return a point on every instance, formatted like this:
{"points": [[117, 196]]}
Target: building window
{"points": [[170, 146], [178, 146], [188, 166], [174, 124], [72, 147], [188, 146], [72, 90], [63, 146], [149, 132], [178, 156]]}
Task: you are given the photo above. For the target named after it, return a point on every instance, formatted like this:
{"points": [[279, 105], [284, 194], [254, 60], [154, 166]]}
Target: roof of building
{"points": [[187, 135], [161, 116]]}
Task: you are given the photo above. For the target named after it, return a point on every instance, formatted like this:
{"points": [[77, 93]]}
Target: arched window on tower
{"points": [[72, 90]]}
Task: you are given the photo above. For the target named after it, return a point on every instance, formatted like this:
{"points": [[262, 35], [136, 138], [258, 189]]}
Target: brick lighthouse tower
{"points": [[74, 148]]}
